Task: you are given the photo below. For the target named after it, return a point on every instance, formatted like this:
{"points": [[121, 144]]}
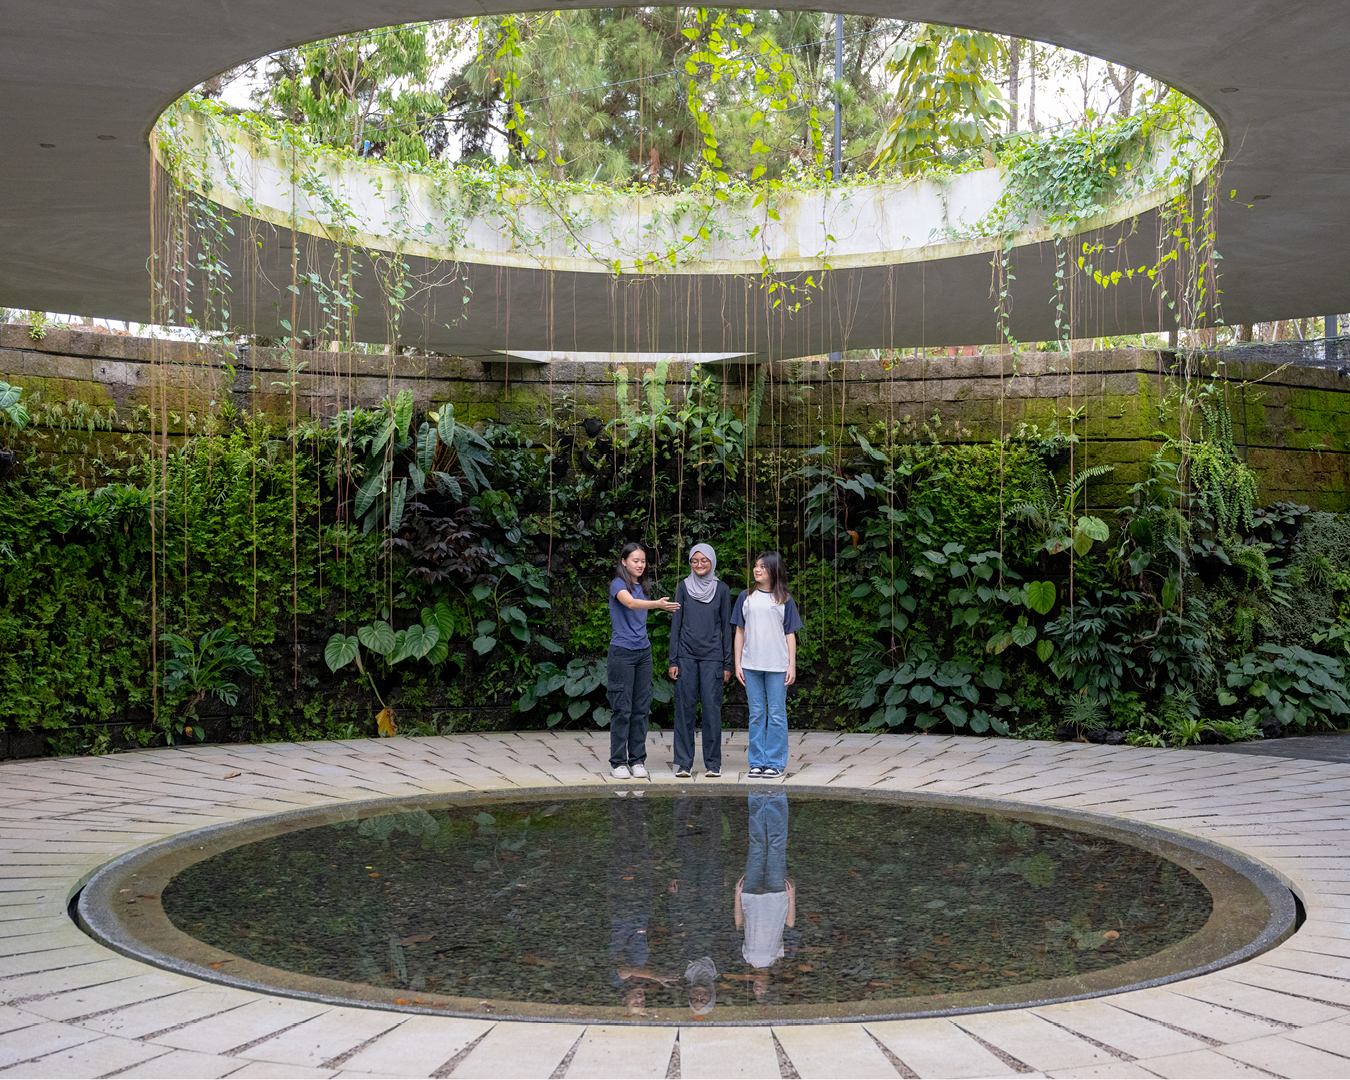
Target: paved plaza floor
{"points": [[69, 1007]]}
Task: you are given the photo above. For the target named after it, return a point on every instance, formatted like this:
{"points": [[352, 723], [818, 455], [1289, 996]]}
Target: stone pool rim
{"points": [[92, 908]]}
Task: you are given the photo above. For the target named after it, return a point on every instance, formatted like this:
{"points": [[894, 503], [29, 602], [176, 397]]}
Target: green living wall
{"points": [[397, 571]]}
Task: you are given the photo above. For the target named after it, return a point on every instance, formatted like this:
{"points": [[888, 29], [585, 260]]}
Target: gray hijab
{"points": [[703, 589]]}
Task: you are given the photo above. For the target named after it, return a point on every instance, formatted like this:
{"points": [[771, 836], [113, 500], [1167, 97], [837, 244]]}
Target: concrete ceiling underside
{"points": [[90, 78]]}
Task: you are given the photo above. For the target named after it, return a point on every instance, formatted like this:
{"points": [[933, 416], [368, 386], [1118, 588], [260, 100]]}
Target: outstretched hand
{"points": [[666, 604]]}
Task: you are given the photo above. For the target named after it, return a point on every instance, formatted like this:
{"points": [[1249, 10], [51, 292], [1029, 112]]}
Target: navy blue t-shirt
{"points": [[629, 626]]}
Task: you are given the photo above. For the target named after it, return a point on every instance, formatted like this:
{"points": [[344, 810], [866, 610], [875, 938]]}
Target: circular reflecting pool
{"points": [[674, 905]]}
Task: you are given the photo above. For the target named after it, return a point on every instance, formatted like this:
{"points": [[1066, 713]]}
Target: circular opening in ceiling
{"points": [[733, 906]]}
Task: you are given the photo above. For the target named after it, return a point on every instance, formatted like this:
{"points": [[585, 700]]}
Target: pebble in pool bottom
{"points": [[603, 902]]}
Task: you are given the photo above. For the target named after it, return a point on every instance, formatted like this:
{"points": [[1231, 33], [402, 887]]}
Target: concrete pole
{"points": [[838, 107], [836, 357]]}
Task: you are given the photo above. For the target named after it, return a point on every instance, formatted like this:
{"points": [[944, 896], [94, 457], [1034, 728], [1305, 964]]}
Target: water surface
{"points": [[667, 903]]}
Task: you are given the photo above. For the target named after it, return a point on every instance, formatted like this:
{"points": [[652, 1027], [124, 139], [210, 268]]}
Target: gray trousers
{"points": [[699, 681]]}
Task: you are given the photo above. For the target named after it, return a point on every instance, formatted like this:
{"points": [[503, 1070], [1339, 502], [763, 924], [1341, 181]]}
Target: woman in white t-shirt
{"points": [[766, 623]]}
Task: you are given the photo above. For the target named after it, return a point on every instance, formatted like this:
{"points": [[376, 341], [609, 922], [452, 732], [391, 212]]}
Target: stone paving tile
{"points": [[938, 1048], [619, 1052], [523, 1050], [1200, 1065], [95, 1058], [1124, 1031], [182, 1065], [1333, 1037], [1301, 983], [47, 983], [157, 1015], [826, 1051], [418, 1047], [1283, 1056], [1258, 1001], [1033, 1041], [11, 1019], [1208, 1021], [250, 1023], [329, 1035], [139, 988], [708, 1053], [65, 955], [1114, 1069], [268, 1070], [39, 1040]]}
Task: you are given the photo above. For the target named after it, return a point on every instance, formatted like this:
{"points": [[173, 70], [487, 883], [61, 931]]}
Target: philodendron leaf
{"points": [[1169, 592], [1040, 597], [426, 447], [340, 651], [484, 644], [378, 637], [399, 496], [1094, 527], [1045, 648], [369, 491]]}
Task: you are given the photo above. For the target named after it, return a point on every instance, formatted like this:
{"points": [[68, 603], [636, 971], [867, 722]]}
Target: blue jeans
{"points": [[766, 861], [766, 693]]}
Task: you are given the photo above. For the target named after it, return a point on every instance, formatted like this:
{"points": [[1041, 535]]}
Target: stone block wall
{"points": [[1292, 423]]}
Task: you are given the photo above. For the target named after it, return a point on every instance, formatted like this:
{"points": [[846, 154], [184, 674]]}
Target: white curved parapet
{"points": [[475, 217]]}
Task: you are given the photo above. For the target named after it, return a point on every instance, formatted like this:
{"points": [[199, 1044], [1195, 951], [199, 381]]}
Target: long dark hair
{"points": [[621, 571], [773, 563]]}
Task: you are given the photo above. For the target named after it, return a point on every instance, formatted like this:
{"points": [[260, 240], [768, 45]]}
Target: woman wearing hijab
{"points": [[700, 659]]}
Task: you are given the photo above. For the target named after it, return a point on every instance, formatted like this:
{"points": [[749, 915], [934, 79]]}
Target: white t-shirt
{"points": [[765, 647], [765, 916]]}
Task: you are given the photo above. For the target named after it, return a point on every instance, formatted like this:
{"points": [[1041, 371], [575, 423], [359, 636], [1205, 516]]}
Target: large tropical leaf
{"points": [[378, 637], [398, 496], [341, 651], [370, 490]]}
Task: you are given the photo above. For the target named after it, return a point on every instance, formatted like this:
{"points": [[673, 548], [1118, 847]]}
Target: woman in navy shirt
{"points": [[629, 679]]}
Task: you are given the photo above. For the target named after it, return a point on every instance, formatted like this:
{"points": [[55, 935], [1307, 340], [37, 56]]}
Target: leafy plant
{"points": [[382, 444], [207, 668], [1299, 686], [1094, 644], [12, 408], [925, 690], [1051, 515]]}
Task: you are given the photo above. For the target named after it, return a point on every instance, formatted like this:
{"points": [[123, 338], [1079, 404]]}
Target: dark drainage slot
{"points": [[1300, 912]]}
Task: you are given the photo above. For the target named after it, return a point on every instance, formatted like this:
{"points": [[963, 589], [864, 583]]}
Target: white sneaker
{"points": [[640, 771], [620, 772]]}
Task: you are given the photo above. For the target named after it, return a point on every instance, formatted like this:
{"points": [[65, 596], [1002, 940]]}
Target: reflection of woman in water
{"points": [[695, 894], [766, 899], [630, 902]]}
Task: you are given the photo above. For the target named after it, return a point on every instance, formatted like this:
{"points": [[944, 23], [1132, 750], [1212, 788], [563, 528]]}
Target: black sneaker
{"points": [[756, 771], [771, 773]]}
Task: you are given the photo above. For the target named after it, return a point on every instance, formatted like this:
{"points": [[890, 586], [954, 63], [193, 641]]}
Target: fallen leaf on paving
{"points": [[231, 776]]}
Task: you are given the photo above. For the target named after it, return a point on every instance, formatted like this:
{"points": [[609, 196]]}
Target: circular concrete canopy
{"points": [[90, 79]]}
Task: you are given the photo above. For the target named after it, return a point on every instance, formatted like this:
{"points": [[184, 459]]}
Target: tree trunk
{"points": [[1031, 97], [1014, 73], [1244, 332], [1124, 85]]}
